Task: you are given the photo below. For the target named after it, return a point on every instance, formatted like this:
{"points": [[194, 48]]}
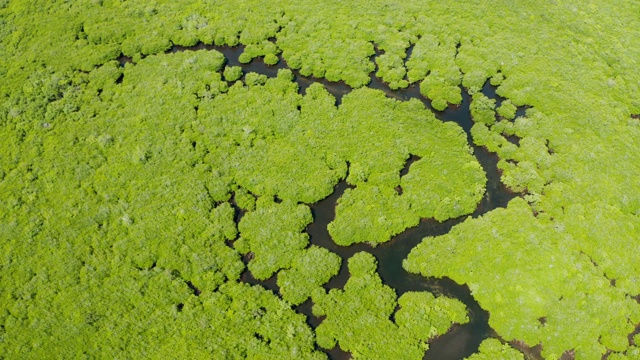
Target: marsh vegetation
{"points": [[162, 167]]}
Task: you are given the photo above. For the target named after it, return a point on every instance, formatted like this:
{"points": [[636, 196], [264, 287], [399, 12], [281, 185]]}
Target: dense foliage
{"points": [[315, 267], [272, 234], [632, 353], [115, 231], [518, 247], [357, 318], [491, 349], [445, 183], [116, 226], [144, 161]]}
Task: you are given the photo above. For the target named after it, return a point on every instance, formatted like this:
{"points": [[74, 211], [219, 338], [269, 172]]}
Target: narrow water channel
{"points": [[462, 340]]}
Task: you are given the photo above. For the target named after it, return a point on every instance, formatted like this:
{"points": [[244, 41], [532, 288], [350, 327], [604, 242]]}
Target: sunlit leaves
{"points": [[436, 187], [357, 318], [491, 349], [482, 109], [507, 110], [310, 270], [232, 73], [113, 177], [447, 182], [425, 316], [386, 214], [263, 141], [243, 321], [273, 234], [539, 274], [391, 70]]}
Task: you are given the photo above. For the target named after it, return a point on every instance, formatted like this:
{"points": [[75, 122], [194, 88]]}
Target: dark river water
{"points": [[462, 340]]}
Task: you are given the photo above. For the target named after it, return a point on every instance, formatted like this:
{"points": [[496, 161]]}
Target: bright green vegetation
{"points": [[425, 316], [391, 70], [232, 73], [432, 61], [507, 110], [244, 200], [493, 349], [309, 271], [116, 186], [273, 235], [237, 322], [299, 155], [632, 354], [482, 109], [115, 182], [112, 224], [247, 322], [261, 139], [447, 182], [265, 49], [517, 247], [357, 318]]}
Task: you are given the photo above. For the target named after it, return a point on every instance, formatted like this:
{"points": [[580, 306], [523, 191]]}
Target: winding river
{"points": [[462, 340]]}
